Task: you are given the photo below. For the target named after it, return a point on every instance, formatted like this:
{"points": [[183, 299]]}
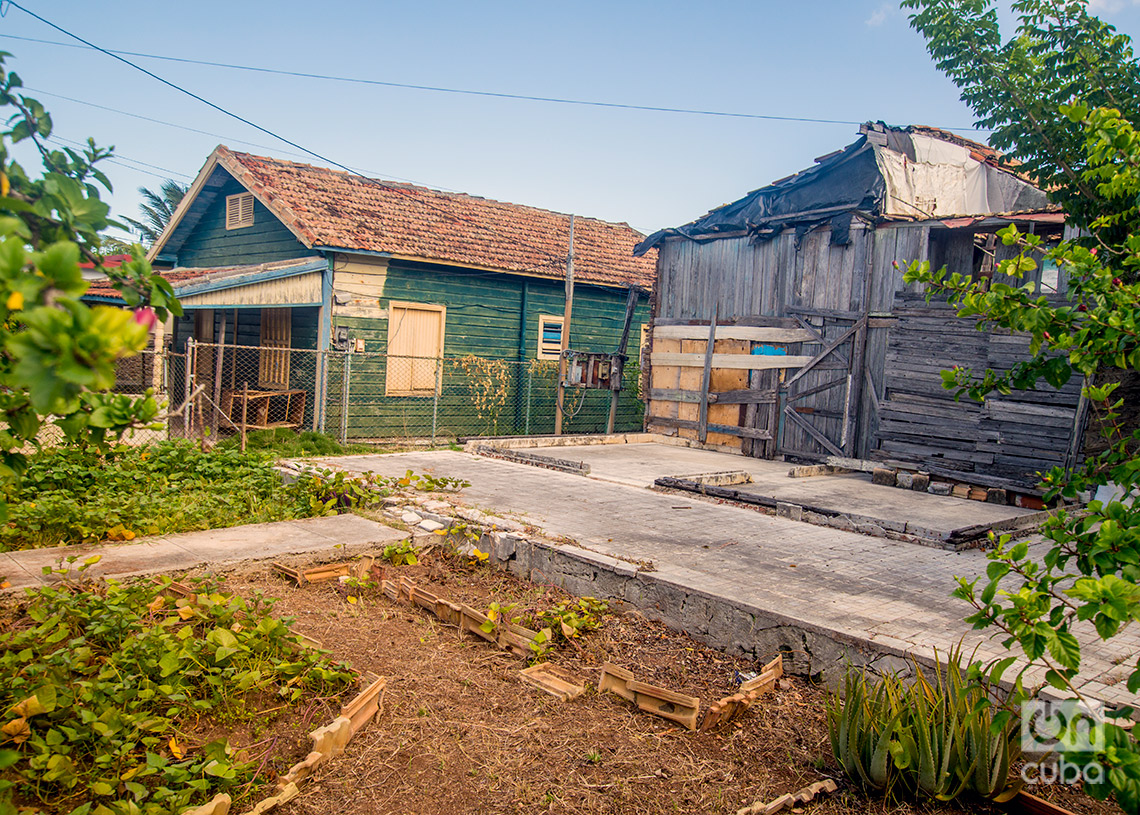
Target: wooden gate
{"points": [[819, 402], [719, 383]]}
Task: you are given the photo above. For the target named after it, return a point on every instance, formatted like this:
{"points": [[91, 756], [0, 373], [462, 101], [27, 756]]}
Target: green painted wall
{"points": [[211, 244], [513, 396]]}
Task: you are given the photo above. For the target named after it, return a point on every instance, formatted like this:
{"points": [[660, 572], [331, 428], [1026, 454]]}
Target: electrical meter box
{"points": [[596, 371]]}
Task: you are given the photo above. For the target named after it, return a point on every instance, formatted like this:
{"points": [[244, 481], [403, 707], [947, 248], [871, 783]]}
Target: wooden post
{"points": [[219, 361], [566, 313], [186, 420], [615, 393], [706, 379], [244, 407]]}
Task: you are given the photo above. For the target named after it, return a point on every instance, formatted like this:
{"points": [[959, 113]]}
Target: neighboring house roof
{"points": [[333, 210], [190, 281], [889, 173]]}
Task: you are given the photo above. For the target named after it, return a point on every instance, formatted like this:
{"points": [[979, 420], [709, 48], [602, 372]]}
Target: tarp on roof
{"points": [[890, 173], [847, 180]]}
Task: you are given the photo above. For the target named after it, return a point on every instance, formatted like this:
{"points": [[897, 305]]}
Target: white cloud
{"points": [[1097, 6], [879, 15]]}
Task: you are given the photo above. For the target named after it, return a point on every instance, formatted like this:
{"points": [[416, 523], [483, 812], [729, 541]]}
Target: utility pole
{"points": [[565, 333]]}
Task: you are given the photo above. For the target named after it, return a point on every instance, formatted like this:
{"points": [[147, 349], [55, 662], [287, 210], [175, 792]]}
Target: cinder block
{"points": [[995, 495], [904, 480], [883, 476], [960, 491], [920, 482], [792, 511], [938, 488]]}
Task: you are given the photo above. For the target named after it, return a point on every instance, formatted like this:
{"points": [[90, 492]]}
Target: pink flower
{"points": [[146, 317]]}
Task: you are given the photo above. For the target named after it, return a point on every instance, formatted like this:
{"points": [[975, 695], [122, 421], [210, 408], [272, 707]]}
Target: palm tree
{"points": [[157, 209]]}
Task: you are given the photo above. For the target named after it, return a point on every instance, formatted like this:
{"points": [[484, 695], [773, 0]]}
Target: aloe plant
{"points": [[937, 737]]}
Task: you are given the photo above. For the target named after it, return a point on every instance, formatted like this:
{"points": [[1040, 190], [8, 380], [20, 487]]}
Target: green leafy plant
{"points": [[573, 618], [101, 688], [401, 554], [58, 358], [1064, 95], [70, 495]]}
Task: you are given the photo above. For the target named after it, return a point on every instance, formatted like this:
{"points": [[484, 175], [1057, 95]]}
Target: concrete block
{"points": [[904, 480], [920, 482], [996, 495], [883, 476], [938, 488], [791, 511]]}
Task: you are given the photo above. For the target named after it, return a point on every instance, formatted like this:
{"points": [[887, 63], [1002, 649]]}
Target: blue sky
{"points": [[848, 60]]}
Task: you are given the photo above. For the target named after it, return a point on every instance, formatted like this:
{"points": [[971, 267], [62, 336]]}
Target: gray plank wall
{"points": [[1010, 438], [747, 279]]}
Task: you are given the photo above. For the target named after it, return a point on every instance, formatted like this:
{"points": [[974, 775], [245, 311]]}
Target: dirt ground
{"points": [[461, 733]]}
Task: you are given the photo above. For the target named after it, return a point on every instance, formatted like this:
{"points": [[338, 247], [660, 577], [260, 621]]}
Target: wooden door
{"points": [[819, 402]]}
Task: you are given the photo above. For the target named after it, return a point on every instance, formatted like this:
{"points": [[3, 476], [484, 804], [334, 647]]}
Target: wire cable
{"points": [[462, 91], [228, 139], [372, 181]]}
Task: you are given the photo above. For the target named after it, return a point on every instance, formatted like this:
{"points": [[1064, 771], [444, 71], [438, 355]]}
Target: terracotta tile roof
{"points": [[328, 208], [185, 275]]}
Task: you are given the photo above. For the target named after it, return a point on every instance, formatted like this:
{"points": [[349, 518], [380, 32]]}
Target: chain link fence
{"points": [[214, 391]]}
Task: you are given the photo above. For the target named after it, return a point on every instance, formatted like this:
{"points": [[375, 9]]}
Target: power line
{"points": [[460, 91], [551, 259], [122, 158], [228, 139]]}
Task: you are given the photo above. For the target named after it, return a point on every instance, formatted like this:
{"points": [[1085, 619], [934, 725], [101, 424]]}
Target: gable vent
{"points": [[239, 210]]}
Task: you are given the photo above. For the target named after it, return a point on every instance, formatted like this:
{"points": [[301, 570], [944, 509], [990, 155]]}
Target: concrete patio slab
{"points": [[641, 463], [346, 534], [746, 581]]}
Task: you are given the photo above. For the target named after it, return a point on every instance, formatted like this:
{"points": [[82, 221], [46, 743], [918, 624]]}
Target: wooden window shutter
{"points": [[239, 210], [276, 339], [549, 337], [415, 348]]}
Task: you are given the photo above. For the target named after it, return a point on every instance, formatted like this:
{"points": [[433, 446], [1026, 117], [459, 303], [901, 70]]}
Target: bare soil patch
{"points": [[460, 733]]}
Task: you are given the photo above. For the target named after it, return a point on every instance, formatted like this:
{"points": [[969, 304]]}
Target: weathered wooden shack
{"points": [[818, 347]]}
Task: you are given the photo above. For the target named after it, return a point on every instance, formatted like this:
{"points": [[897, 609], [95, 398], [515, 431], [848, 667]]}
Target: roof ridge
{"points": [[237, 156]]}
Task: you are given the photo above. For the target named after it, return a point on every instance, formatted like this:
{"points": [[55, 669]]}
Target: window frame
{"points": [[543, 321], [275, 352], [405, 306], [235, 210]]}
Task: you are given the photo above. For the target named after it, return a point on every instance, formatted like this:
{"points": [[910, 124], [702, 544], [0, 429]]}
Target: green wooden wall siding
{"points": [[483, 312], [211, 244]]}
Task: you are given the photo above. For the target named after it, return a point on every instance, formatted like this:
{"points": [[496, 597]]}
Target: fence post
{"points": [[529, 377], [321, 385], [244, 408], [344, 390], [435, 399], [189, 387]]}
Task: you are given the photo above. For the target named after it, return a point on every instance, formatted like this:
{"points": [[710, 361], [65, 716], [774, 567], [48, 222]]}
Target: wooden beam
{"points": [[826, 386], [824, 312], [673, 395], [703, 414], [751, 396], [824, 442], [827, 351], [735, 332], [746, 362], [726, 429]]}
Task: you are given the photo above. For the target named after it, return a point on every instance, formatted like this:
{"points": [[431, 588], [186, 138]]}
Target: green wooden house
{"points": [[382, 306]]}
